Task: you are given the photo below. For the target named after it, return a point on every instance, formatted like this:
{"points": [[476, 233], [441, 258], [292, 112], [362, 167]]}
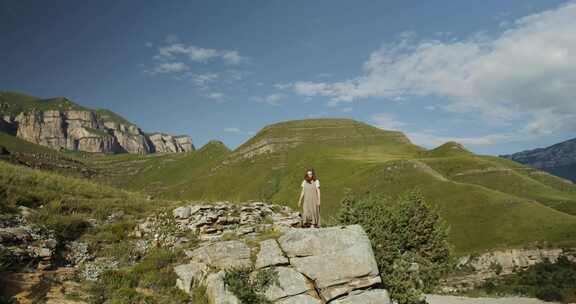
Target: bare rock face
{"points": [[168, 143], [222, 255], [86, 130], [479, 268], [338, 259], [311, 265]]}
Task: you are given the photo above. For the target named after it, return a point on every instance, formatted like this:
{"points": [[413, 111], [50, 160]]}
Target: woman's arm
{"points": [[318, 191], [300, 199]]}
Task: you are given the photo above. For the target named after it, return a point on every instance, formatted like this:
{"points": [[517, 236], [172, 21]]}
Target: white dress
{"points": [[310, 206]]}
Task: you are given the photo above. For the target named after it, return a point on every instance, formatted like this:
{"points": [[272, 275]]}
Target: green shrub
{"points": [[153, 273], [544, 280], [249, 288], [199, 296], [6, 260], [408, 237]]}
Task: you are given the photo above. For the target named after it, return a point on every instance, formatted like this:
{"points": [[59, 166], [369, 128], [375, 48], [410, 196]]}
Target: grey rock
{"points": [[300, 299], [374, 296], [217, 292], [338, 259], [291, 283], [190, 275], [222, 255], [182, 212], [91, 131], [270, 254]]}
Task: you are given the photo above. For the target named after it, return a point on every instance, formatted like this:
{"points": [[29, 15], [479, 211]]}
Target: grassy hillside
{"points": [[488, 201], [13, 103], [17, 102], [25, 153], [21, 186]]}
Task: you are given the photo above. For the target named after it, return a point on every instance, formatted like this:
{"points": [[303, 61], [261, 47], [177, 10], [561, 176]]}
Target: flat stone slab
{"points": [[270, 255], [300, 299], [374, 296], [222, 255], [190, 275], [338, 259], [291, 283], [217, 292]]}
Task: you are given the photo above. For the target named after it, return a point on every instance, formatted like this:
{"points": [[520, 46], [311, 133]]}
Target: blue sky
{"points": [[497, 76]]}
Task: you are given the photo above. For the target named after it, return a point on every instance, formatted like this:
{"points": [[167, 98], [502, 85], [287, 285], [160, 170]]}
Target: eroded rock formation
{"points": [[315, 265], [85, 130]]}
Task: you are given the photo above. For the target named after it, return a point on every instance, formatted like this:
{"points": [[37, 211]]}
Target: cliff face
{"points": [[168, 143], [86, 130]]}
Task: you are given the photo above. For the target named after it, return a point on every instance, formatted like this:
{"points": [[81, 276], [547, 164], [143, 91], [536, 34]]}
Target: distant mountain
{"points": [[489, 202], [59, 123], [558, 159]]}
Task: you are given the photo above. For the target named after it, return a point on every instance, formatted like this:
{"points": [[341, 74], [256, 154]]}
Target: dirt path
{"points": [[437, 299]]}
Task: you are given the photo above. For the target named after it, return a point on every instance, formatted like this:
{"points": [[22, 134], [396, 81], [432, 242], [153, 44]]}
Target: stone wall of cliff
{"points": [[81, 130]]}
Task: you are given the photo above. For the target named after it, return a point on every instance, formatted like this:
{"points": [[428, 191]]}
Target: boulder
{"points": [[270, 255], [300, 299], [377, 296], [290, 283], [338, 259], [190, 275], [217, 292], [222, 255]]}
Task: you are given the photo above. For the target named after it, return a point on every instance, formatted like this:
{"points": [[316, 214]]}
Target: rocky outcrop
{"points": [[311, 265], [23, 244], [476, 269], [168, 143], [338, 259], [86, 130], [215, 221]]}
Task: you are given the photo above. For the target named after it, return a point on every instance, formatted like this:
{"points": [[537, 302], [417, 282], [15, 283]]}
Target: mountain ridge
{"points": [[60, 123], [558, 159]]}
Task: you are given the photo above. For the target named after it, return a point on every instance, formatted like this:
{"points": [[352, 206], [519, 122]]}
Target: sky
{"points": [[497, 76]]}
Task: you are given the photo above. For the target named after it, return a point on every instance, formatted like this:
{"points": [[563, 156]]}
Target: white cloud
{"points": [[201, 80], [525, 73], [231, 57], [168, 68], [197, 54], [282, 86], [272, 99], [387, 121], [215, 95]]}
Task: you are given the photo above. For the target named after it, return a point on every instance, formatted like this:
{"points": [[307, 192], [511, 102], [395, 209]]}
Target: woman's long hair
{"points": [[310, 179]]}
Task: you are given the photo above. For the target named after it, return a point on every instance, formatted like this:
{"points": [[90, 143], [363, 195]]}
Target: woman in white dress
{"points": [[310, 199]]}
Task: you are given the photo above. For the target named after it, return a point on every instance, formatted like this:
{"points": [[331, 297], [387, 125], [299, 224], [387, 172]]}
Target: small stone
{"points": [[182, 212]]}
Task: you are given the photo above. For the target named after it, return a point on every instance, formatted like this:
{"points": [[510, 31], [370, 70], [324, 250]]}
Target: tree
{"points": [[408, 237]]}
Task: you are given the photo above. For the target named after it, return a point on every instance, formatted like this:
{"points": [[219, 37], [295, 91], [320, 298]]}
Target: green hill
{"points": [[15, 103], [489, 202]]}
